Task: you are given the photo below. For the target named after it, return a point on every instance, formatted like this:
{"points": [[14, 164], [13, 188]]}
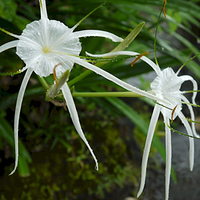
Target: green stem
{"points": [[156, 37], [43, 82], [105, 94], [92, 94]]}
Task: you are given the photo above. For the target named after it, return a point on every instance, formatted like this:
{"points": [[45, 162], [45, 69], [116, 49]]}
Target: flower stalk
{"points": [[105, 94]]}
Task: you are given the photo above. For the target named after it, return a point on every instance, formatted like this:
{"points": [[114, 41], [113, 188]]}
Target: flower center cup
{"points": [[45, 43], [46, 50], [167, 87]]}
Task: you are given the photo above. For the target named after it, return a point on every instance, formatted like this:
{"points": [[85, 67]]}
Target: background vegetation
{"points": [[54, 162]]}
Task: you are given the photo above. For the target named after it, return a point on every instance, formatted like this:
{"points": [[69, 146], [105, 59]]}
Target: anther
{"points": [[138, 58], [173, 113], [54, 73], [164, 4]]}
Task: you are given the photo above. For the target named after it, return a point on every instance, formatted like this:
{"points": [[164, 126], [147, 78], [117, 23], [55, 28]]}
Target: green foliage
{"points": [[122, 17], [57, 151], [7, 133], [175, 16], [64, 172], [8, 10]]}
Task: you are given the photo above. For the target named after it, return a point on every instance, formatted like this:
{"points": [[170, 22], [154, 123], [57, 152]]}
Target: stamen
{"points": [[183, 102], [182, 133], [10, 73], [73, 28], [142, 54], [173, 113], [187, 63], [164, 4], [9, 33], [189, 120], [54, 73]]}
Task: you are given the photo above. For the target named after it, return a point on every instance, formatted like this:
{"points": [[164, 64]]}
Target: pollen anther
{"points": [[173, 113], [54, 73], [142, 54]]}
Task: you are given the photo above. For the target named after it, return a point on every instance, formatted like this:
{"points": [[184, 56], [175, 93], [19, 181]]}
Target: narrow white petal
{"points": [[43, 9], [44, 43], [97, 33], [17, 113], [168, 148], [154, 119], [155, 67], [195, 86], [8, 45], [74, 116], [114, 79], [191, 140], [192, 116]]}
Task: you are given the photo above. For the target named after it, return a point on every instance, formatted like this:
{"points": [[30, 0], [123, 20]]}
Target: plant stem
{"points": [[43, 82], [105, 94]]}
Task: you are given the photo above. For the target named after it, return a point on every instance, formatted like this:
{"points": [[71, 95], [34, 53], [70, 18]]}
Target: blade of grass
{"points": [[6, 132]]}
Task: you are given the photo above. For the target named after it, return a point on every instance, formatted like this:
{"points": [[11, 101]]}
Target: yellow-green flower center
{"points": [[46, 49]]}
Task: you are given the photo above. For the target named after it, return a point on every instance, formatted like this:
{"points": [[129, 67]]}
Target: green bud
{"points": [[55, 88]]}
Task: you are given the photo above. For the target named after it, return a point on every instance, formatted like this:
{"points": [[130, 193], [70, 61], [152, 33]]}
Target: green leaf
{"points": [[8, 9], [23, 168], [177, 17], [6, 132]]}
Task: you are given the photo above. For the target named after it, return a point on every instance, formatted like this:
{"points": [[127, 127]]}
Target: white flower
{"points": [[166, 86], [46, 43]]}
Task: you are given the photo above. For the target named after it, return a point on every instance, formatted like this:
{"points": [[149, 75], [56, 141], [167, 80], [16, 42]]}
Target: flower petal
{"points": [[43, 9], [42, 50], [167, 86], [17, 113], [191, 139], [114, 79], [195, 86], [74, 116], [154, 119], [8, 45], [98, 33], [168, 148], [129, 53], [192, 116]]}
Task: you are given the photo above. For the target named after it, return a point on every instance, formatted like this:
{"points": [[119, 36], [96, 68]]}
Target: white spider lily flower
{"points": [[46, 43], [166, 86], [42, 45]]}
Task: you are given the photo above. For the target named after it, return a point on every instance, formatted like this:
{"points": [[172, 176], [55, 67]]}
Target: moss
{"points": [[67, 171]]}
